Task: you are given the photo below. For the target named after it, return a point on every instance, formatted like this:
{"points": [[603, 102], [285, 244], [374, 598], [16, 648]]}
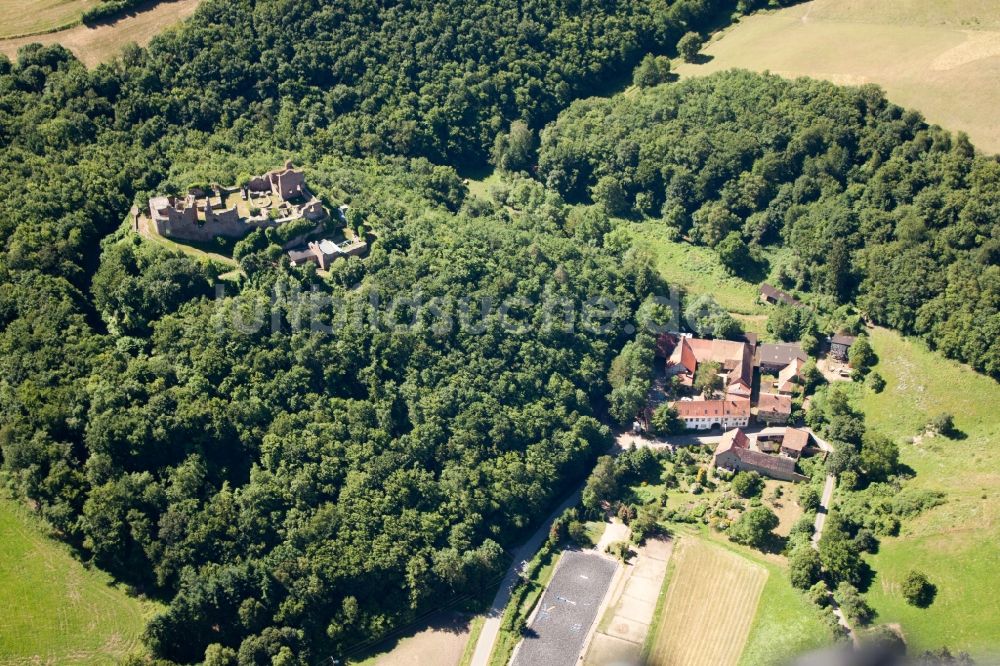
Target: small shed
{"points": [[840, 345]]}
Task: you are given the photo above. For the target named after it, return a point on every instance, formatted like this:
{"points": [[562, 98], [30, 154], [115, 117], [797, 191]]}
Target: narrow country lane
{"points": [[824, 509]]}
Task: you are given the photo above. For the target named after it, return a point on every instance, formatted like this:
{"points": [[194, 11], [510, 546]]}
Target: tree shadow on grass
{"points": [[927, 595], [956, 434], [774, 545], [866, 576], [702, 59]]}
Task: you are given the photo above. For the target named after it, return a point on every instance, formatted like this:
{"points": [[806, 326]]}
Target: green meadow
{"points": [[958, 543], [53, 610]]}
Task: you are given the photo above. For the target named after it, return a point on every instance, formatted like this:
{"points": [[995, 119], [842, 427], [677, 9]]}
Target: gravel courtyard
{"points": [[566, 611]]}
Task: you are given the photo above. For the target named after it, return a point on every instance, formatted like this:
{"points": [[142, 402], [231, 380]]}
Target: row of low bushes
{"points": [[515, 616], [109, 9]]}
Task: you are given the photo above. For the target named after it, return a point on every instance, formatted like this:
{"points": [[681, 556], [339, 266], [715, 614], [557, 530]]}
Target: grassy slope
{"points": [[96, 45], [26, 18], [696, 268], [785, 625], [954, 544], [941, 57], [52, 610]]}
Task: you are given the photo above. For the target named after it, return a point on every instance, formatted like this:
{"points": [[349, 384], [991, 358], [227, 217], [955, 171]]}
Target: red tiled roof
{"points": [[793, 369], [735, 358], [795, 439], [738, 443], [772, 402], [688, 359], [728, 407], [766, 461], [738, 389], [730, 439]]}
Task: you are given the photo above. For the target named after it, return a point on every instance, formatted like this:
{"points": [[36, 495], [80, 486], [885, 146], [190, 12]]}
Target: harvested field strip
{"points": [[708, 608]]}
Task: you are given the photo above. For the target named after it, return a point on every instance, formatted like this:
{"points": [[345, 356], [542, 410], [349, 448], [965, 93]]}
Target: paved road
{"points": [[824, 507], [567, 610], [527, 550]]}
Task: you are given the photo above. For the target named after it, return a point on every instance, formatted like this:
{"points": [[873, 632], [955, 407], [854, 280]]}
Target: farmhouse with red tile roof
{"points": [[789, 377], [737, 452], [729, 412], [735, 360], [773, 408], [794, 442]]}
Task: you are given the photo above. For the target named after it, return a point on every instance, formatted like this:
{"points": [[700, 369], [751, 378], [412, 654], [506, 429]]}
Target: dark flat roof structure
{"points": [[775, 295], [567, 610], [779, 354]]}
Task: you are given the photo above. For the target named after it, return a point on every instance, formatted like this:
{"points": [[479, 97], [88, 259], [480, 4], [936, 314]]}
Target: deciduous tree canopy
{"points": [[876, 206]]}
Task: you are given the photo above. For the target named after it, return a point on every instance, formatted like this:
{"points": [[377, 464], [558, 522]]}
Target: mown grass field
{"points": [[52, 609], [101, 43], [941, 57], [27, 18], [708, 607], [955, 544]]}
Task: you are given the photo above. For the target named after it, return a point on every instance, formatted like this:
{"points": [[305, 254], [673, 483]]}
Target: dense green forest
{"points": [[878, 207], [291, 492], [292, 489], [318, 488]]}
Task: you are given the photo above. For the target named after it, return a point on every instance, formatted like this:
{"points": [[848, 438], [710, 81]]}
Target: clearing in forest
{"points": [[52, 609]]}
